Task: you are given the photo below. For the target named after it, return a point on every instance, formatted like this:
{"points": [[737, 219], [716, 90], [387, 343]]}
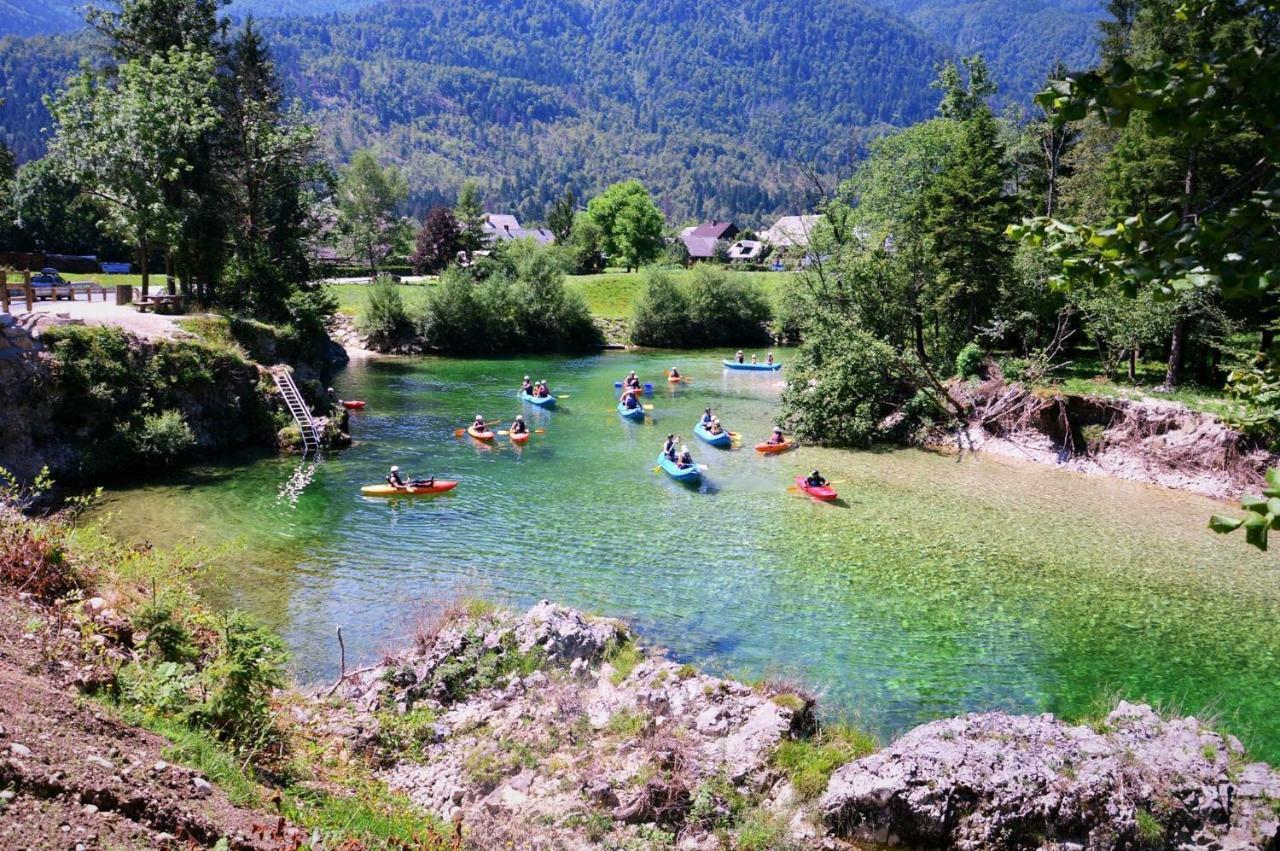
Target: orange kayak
{"points": [[439, 486], [353, 405], [486, 435], [520, 438], [774, 448]]}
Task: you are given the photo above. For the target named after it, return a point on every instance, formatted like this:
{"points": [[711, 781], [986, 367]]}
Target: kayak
{"points": [[540, 401], [674, 379], [353, 406], [758, 367], [824, 493], [774, 448], [636, 413], [520, 438], [648, 388], [688, 474], [440, 486], [721, 439], [480, 435]]}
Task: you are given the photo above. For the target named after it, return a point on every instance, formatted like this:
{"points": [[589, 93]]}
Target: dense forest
{"points": [[720, 108]]}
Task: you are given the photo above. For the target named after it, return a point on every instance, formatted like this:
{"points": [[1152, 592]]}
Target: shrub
{"points": [[310, 309], [385, 319], [714, 309], [515, 302], [969, 360], [239, 682], [810, 762], [33, 559], [162, 437]]}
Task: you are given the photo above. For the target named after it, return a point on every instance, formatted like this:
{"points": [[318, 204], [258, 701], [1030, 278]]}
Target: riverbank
{"points": [[546, 728], [1147, 440], [88, 403]]}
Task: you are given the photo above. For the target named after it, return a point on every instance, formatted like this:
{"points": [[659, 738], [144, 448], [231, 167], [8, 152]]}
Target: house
{"points": [[502, 227], [700, 240], [791, 232], [745, 251]]}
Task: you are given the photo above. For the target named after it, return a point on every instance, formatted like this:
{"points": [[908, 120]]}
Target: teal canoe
{"points": [[636, 413], [687, 474], [721, 439], [757, 367], [540, 401]]}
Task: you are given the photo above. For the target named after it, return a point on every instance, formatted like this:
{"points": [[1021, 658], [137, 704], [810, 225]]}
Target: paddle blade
{"points": [[457, 432], [648, 407], [539, 431], [563, 396], [503, 433]]}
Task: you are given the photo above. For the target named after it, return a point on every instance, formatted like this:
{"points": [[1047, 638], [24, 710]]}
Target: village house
{"points": [[499, 227], [746, 251], [700, 240], [790, 232]]}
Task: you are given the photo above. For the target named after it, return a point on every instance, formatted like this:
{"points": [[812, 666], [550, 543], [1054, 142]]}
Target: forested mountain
{"points": [[716, 106], [1020, 39]]}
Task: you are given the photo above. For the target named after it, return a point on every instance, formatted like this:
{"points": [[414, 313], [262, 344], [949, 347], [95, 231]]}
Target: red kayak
{"points": [[824, 493], [353, 406]]}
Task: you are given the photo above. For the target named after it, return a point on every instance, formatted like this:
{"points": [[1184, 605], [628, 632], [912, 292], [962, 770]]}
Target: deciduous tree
{"points": [[630, 222]]}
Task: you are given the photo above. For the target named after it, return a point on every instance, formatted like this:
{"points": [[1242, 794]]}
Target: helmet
{"points": [[520, 417], [815, 473], [526, 378], [684, 448], [671, 437], [394, 468], [777, 428]]}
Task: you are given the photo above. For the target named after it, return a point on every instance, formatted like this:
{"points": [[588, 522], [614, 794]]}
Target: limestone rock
{"points": [[999, 781]]}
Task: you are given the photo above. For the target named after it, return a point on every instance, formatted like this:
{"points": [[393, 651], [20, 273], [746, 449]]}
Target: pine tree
{"points": [[560, 217], [969, 212], [469, 211]]}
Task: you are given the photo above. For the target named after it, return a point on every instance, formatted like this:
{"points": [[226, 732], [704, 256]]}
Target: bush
{"points": [[162, 437], [969, 360], [33, 559], [239, 682], [516, 302], [715, 309], [385, 320]]}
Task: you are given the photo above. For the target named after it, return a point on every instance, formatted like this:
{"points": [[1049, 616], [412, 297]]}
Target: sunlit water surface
{"points": [[935, 586]]}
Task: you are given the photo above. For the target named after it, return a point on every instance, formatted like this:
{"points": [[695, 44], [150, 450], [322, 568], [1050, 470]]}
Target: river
{"points": [[937, 585]]}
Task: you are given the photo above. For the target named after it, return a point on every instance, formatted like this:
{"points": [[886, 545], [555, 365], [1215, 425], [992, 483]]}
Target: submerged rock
{"points": [[1008, 781]]}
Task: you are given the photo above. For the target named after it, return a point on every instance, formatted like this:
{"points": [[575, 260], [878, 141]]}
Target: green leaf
{"points": [[1222, 524], [1254, 503]]}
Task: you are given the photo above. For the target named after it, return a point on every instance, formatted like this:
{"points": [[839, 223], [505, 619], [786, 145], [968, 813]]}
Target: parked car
{"points": [[49, 284]]}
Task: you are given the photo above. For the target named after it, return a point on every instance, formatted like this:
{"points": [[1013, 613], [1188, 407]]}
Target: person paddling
{"points": [[815, 480], [777, 438], [527, 387], [543, 390], [629, 400], [686, 458], [715, 427], [769, 359], [632, 382], [707, 418], [739, 356], [674, 373], [518, 426], [753, 360], [479, 425], [669, 446], [397, 481]]}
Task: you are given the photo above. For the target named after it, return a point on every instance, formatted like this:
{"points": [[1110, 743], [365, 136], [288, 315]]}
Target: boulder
{"points": [[563, 634], [995, 780]]}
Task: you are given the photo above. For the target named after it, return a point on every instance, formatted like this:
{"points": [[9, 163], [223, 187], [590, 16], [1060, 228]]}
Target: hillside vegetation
{"points": [[715, 106]]}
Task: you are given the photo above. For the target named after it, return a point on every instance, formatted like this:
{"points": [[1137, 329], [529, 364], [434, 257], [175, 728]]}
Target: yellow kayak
{"points": [[439, 486]]}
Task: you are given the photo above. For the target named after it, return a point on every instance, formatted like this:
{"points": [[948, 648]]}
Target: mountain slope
{"points": [[1020, 39]]}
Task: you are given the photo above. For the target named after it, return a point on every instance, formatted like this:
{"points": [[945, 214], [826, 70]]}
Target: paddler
{"points": [[769, 359], [479, 425], [739, 356], [707, 418], [777, 438], [632, 381], [527, 387], [686, 458], [518, 425], [674, 373], [397, 481], [669, 446], [629, 400], [815, 480]]}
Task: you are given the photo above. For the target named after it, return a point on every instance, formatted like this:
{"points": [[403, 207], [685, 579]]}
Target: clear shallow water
{"points": [[934, 587]]}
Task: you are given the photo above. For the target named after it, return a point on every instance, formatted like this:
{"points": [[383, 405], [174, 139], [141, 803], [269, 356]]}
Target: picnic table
{"points": [[160, 303]]}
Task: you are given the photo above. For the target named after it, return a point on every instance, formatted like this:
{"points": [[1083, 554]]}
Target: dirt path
{"points": [[73, 777], [149, 326]]}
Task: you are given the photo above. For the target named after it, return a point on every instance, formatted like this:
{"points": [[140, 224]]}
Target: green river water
{"points": [[935, 586]]}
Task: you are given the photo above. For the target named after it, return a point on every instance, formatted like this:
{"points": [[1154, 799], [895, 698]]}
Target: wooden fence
{"points": [[27, 290]]}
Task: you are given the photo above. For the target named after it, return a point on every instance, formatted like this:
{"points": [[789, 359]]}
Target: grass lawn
{"points": [[609, 295]]}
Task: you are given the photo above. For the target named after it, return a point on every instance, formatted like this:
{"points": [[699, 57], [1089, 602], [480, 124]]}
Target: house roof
{"points": [[700, 247], [502, 226], [501, 221], [791, 231], [745, 249], [716, 230]]}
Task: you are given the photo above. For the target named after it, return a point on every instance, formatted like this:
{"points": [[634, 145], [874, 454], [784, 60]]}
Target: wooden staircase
{"points": [[298, 407]]}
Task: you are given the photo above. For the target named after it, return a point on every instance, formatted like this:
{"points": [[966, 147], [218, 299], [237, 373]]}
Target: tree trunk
{"points": [[1133, 365], [918, 321], [143, 250], [168, 273], [1176, 342]]}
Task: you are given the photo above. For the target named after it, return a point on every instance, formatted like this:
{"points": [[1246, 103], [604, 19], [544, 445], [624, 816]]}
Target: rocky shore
{"points": [[550, 729]]}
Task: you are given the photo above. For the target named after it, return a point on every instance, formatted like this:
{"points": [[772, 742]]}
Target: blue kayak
{"points": [[758, 367], [688, 474], [721, 439], [636, 413], [540, 401]]}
